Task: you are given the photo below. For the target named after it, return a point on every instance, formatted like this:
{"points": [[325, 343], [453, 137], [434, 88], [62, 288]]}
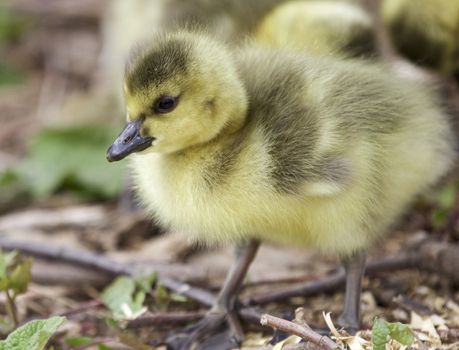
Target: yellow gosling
{"points": [[257, 144]]}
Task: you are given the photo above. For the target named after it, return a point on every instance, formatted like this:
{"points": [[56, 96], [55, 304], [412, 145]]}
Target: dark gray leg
{"points": [[224, 308], [355, 268], [233, 282]]}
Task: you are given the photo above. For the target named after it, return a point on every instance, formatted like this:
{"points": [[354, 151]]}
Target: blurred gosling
{"points": [[322, 27], [425, 31]]}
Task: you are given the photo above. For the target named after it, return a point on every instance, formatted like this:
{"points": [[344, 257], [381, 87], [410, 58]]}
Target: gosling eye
{"points": [[165, 104]]}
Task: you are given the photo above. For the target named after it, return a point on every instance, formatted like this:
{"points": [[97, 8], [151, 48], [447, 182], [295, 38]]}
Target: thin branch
{"points": [[200, 295], [76, 257], [82, 308], [165, 319], [305, 333], [335, 281], [324, 285], [103, 264], [409, 304]]}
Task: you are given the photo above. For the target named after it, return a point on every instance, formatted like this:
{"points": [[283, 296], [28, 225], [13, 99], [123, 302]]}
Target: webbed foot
{"points": [[219, 329]]}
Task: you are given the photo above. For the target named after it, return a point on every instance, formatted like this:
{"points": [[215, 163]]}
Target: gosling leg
{"points": [[224, 308], [233, 282], [355, 268]]}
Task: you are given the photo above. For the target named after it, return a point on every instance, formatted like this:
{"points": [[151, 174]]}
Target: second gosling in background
{"points": [[425, 31], [257, 144], [322, 27]]}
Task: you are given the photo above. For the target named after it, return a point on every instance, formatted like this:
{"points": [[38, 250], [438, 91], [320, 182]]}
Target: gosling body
{"points": [[278, 146]]}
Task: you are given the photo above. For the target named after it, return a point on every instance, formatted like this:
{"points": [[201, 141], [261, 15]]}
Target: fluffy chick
{"points": [[271, 145], [265, 144], [425, 31], [321, 27]]}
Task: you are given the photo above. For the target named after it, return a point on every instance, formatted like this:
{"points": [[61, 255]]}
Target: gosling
{"points": [[256, 144], [322, 27], [425, 31]]}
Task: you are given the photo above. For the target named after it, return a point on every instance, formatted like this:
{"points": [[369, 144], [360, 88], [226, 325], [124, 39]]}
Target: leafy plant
{"points": [[34, 335], [73, 159], [383, 331], [15, 275], [125, 296]]}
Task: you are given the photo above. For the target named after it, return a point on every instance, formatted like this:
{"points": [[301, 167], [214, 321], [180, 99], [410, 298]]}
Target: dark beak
{"points": [[129, 141]]}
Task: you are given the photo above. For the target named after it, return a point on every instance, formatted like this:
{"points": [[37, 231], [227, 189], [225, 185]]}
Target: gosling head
{"points": [[181, 91]]}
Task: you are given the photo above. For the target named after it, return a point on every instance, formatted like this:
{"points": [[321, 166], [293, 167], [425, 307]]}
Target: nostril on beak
{"points": [[127, 139]]}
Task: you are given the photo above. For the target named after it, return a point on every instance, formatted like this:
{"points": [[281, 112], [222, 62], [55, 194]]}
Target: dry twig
{"points": [[103, 264], [165, 319], [293, 328]]}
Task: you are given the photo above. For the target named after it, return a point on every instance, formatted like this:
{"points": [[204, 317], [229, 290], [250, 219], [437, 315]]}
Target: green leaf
{"points": [[401, 333], [4, 281], [77, 157], [15, 272], [383, 331], [379, 334], [79, 341], [33, 335], [21, 276], [7, 261], [145, 282], [122, 298]]}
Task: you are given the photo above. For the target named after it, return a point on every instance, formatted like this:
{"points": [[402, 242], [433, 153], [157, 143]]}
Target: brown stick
{"points": [[103, 264], [82, 308], [293, 328], [165, 319], [336, 280], [324, 285], [409, 304]]}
